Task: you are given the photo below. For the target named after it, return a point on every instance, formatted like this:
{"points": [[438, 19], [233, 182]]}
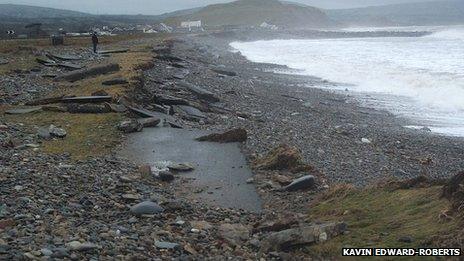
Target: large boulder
{"points": [[235, 135], [305, 182], [303, 235]]}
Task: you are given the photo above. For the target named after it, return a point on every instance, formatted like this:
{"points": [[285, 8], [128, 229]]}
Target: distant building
{"points": [[269, 26]]}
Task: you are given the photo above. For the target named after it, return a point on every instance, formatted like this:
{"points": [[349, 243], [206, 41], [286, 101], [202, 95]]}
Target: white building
{"points": [[190, 24]]}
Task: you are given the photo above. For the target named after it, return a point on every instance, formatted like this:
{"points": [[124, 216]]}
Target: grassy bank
{"points": [[384, 217]]}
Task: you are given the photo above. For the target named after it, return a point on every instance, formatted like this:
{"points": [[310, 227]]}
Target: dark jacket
{"points": [[94, 39]]}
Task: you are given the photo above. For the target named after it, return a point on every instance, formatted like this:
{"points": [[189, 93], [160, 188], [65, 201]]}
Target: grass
{"points": [[89, 135], [378, 217]]}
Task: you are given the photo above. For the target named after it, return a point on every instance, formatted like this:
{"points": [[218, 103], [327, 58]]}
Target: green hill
{"points": [[34, 12], [255, 12], [425, 13]]}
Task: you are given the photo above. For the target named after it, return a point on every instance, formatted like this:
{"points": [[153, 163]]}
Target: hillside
{"points": [[255, 12], [33, 12], [427, 13]]}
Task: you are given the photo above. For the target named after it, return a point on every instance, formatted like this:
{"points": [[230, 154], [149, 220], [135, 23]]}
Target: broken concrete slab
{"points": [[303, 235], [54, 108], [180, 65], [23, 110], [70, 66], [45, 101], [87, 99], [305, 182], [88, 72], [167, 119], [88, 108], [63, 57], [123, 50], [199, 92], [45, 61], [235, 135], [169, 100], [115, 81], [169, 58], [189, 111], [149, 122]]}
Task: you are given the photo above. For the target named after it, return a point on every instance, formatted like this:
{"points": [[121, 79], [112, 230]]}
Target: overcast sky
{"points": [[162, 6]]}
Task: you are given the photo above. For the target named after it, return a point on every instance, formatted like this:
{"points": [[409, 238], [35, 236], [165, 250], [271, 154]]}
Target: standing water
{"points": [[420, 78]]}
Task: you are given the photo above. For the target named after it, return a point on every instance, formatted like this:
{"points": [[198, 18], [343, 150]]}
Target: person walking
{"points": [[94, 41]]}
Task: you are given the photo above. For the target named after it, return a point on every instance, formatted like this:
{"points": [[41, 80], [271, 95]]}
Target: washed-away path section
{"points": [[221, 170]]}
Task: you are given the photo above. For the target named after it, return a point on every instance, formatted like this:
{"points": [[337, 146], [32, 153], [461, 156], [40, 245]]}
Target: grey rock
{"points": [[165, 176], [115, 81], [146, 208], [305, 182], [183, 167], [57, 132], [234, 234], [130, 126], [44, 133], [78, 246], [149, 122], [166, 245], [46, 252], [23, 110]]}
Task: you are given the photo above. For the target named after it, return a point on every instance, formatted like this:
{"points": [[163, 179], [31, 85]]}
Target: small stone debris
{"points": [[146, 208], [181, 167], [3, 61], [366, 141], [306, 182], [235, 135]]}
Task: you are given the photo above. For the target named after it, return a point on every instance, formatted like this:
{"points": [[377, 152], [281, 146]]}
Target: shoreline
{"points": [[82, 208]]}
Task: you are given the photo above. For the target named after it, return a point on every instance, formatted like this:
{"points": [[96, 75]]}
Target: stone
{"points": [[366, 141], [131, 196], [46, 252], [235, 135], [146, 208], [305, 182], [165, 176], [57, 132], [182, 167], [123, 50], [115, 81], [166, 245], [169, 100], [119, 108], [234, 234], [201, 225], [78, 246], [88, 99], [303, 235], [190, 111], [130, 126], [149, 122], [44, 133], [145, 170]]}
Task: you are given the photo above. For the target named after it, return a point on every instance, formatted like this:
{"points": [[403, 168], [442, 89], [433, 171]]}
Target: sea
{"points": [[418, 78]]}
